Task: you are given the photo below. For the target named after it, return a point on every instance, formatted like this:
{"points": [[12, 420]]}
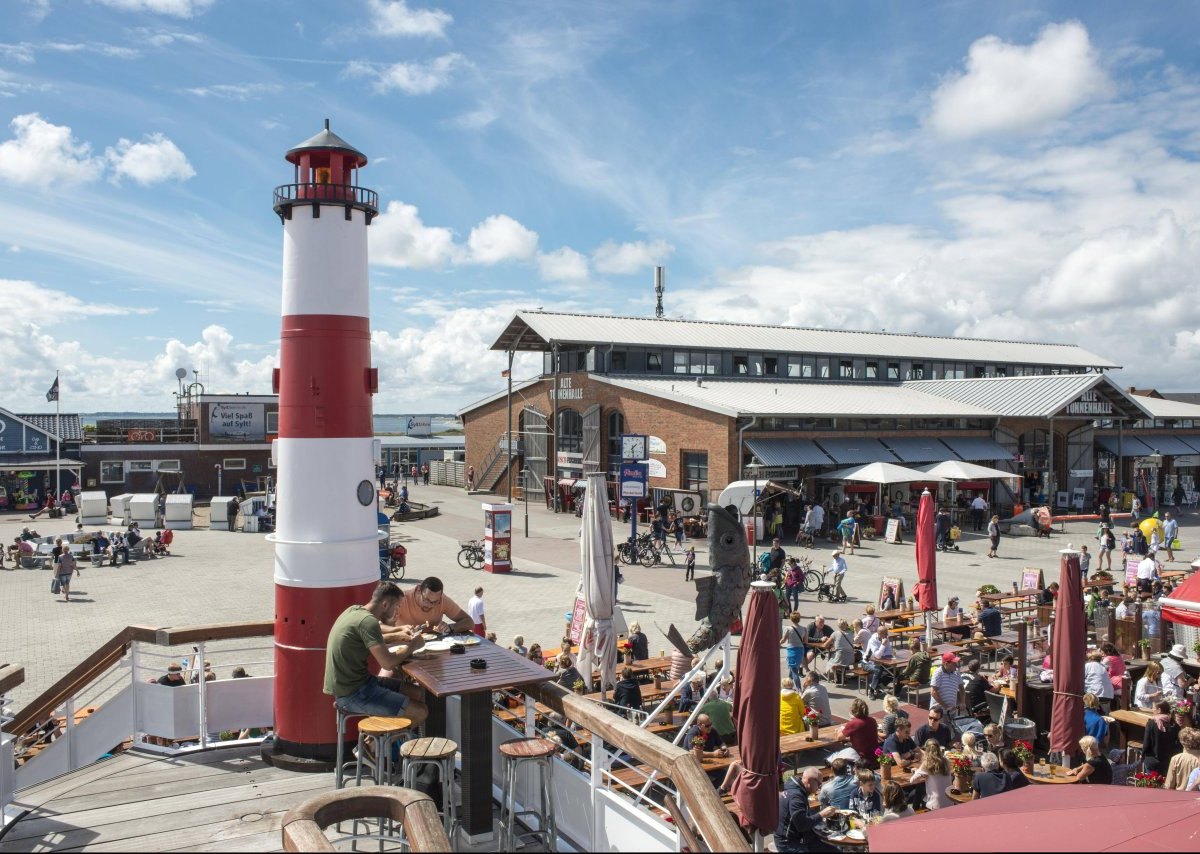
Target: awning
{"points": [[861, 488], [977, 485], [912, 449], [973, 448], [1130, 447], [1183, 605], [1170, 446], [848, 451], [566, 481], [878, 473], [959, 470], [37, 464], [787, 452]]}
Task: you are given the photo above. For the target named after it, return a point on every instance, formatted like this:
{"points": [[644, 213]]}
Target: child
{"points": [[1085, 562], [691, 564], [1126, 545]]}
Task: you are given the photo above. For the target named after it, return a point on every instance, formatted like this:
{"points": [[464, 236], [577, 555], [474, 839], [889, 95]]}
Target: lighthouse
{"points": [[326, 548]]}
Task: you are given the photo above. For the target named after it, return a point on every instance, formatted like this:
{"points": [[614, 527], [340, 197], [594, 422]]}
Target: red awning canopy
{"points": [[1183, 605], [1062, 818], [861, 487], [977, 485], [915, 488]]}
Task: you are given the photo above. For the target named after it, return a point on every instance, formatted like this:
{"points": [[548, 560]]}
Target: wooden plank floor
{"points": [[217, 801]]}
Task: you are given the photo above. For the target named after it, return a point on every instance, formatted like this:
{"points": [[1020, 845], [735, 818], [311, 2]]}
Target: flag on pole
{"points": [[53, 393], [504, 374]]}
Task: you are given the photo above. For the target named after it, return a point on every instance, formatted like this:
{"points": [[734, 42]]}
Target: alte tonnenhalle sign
{"points": [[1089, 403]]}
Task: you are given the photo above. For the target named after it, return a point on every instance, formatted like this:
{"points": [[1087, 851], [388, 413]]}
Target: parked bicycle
{"points": [[470, 555], [391, 565]]}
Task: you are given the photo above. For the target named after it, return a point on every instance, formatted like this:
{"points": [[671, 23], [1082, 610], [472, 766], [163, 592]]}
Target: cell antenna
{"points": [[660, 284]]}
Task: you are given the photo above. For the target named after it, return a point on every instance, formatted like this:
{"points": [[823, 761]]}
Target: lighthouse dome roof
{"points": [[326, 140]]}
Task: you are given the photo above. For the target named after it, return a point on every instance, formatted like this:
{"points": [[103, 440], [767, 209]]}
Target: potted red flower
{"points": [[886, 762], [812, 719], [1024, 751], [1146, 780], [964, 773]]}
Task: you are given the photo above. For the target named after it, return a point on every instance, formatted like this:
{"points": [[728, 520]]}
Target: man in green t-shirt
{"points": [[364, 630]]}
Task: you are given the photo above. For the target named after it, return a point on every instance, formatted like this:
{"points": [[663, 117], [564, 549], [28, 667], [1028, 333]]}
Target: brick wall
{"points": [[682, 428]]}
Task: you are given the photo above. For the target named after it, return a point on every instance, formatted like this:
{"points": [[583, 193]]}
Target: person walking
{"points": [[470, 478], [475, 609], [424, 475], [1135, 509], [979, 507], [1170, 532], [993, 531], [67, 566], [232, 507], [690, 574]]}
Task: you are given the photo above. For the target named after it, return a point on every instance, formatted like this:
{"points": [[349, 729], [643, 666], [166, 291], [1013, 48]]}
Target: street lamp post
{"points": [[217, 466], [525, 472], [754, 465]]}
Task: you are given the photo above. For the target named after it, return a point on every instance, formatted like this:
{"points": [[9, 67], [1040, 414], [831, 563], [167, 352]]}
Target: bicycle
{"points": [[653, 554], [470, 555], [810, 578]]}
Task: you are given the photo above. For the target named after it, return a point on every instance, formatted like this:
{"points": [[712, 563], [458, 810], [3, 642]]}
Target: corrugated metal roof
{"points": [[914, 449], [500, 395], [539, 328], [790, 399], [848, 451], [971, 448], [788, 452], [1037, 397], [1160, 408], [72, 430]]}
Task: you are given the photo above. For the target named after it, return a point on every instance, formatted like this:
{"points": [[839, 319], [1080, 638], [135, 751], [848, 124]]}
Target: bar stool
{"points": [[438, 752], [339, 774], [385, 731], [515, 752]]}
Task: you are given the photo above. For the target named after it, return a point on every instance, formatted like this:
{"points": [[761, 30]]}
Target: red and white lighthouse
{"points": [[326, 548]]}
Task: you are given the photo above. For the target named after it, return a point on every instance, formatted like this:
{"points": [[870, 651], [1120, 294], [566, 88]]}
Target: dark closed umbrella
{"points": [[756, 711], [1067, 645], [926, 590]]}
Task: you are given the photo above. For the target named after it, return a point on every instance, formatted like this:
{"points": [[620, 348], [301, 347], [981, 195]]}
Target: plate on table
{"points": [[444, 644], [855, 834]]}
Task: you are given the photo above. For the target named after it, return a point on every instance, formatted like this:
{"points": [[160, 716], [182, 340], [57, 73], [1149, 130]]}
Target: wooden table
{"points": [[1057, 776], [444, 674], [1131, 723], [898, 614], [1020, 595]]}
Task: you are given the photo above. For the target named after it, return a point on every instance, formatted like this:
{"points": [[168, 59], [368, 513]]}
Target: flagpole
{"points": [[57, 439]]}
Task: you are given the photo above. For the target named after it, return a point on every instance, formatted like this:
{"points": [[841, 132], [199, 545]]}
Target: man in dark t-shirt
{"points": [[990, 621], [991, 780]]}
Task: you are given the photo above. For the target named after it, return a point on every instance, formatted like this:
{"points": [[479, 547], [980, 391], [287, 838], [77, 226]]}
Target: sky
{"points": [[1000, 170]]}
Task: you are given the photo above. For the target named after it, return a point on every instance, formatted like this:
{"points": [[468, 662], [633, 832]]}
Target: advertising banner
{"points": [[237, 422], [497, 538], [419, 425]]}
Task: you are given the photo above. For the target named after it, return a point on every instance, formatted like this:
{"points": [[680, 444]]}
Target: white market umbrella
{"points": [[598, 645], [880, 473], [958, 470]]}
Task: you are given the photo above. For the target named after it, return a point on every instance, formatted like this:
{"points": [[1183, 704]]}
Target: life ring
{"points": [[687, 503]]}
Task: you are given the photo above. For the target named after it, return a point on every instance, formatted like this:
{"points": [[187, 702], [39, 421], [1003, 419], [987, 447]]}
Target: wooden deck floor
{"points": [[226, 800]]}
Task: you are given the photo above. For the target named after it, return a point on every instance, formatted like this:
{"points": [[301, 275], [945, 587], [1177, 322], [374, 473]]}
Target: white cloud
{"points": [[1009, 88], [501, 238], [42, 154], [400, 239], [474, 120], [26, 52], [562, 265], [38, 9], [626, 258], [411, 78], [174, 8], [26, 302], [165, 38], [235, 91], [152, 161], [395, 18]]}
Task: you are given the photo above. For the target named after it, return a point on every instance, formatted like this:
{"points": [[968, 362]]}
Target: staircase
{"points": [[496, 466]]}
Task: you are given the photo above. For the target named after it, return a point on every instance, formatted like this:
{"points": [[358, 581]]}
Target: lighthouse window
{"points": [[323, 175]]}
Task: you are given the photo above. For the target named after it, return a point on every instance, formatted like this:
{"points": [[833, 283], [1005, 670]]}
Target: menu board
{"points": [[1131, 568], [891, 594], [892, 534], [1032, 579]]}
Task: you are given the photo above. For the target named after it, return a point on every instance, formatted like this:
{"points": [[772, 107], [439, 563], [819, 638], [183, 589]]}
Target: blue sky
{"points": [[999, 170]]}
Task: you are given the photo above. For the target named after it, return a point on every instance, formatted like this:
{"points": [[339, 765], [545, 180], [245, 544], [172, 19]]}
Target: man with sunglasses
{"points": [[429, 609]]}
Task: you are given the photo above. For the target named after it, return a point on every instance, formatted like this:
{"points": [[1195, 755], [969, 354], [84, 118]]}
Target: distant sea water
{"points": [[384, 423]]}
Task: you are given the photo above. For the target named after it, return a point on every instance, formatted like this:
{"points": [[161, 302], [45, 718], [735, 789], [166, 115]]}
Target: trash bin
{"points": [[879, 526], [1021, 728], [250, 524]]}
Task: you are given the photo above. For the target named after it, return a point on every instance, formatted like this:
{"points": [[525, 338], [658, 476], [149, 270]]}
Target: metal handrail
{"points": [[286, 195]]}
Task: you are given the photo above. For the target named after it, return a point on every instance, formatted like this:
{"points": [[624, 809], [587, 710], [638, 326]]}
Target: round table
{"points": [[959, 797], [1057, 776]]}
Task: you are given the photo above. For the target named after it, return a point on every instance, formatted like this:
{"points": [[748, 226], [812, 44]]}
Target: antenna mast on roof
{"points": [[660, 283]]}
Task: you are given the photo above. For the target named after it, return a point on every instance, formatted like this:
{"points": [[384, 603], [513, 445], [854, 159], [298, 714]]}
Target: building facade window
{"points": [[824, 367], [112, 471], [654, 362], [136, 466], [741, 364], [234, 463], [695, 471], [871, 371], [917, 371], [793, 367], [771, 366], [570, 431], [273, 422], [616, 426], [617, 360], [893, 370], [845, 369], [168, 465]]}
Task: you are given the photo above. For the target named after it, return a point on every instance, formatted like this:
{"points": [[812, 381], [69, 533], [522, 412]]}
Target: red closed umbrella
{"points": [[926, 590], [756, 712], [1067, 645]]}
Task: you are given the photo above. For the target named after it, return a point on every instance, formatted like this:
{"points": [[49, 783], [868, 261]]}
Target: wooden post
{"points": [[1022, 664]]}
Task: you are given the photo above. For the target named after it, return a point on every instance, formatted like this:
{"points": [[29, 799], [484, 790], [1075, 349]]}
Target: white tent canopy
{"points": [[880, 473], [957, 470]]}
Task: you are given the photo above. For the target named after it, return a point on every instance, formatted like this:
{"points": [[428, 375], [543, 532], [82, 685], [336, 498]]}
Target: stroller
{"points": [[949, 541]]}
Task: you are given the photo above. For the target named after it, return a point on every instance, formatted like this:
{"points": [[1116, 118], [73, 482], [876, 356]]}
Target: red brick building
{"points": [[802, 402]]}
